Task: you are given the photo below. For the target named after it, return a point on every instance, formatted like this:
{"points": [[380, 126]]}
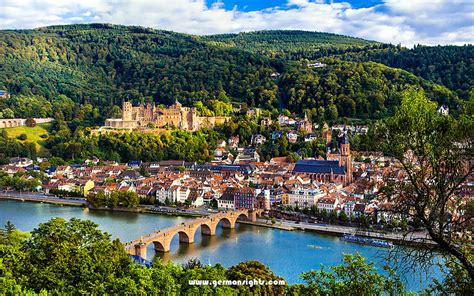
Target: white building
{"points": [[285, 120], [20, 162], [164, 193], [327, 203], [196, 196], [292, 136], [304, 197], [443, 110], [310, 137], [181, 194], [349, 208], [226, 201]]}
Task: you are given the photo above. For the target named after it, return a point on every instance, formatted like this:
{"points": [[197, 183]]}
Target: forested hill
{"points": [[451, 66], [278, 43], [103, 64], [99, 65]]}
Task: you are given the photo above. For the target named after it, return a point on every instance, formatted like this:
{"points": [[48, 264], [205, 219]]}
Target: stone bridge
{"points": [[186, 231], [15, 122]]}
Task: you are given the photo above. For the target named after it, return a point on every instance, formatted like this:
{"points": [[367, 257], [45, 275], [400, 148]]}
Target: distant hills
{"points": [[103, 64]]}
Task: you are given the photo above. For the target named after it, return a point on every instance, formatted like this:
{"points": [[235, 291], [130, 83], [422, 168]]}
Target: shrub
{"points": [[30, 122]]}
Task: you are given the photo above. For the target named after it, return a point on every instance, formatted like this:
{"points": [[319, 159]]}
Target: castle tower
{"points": [[177, 104], [345, 158], [126, 111]]}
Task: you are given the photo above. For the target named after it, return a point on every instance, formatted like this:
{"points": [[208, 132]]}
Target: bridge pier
{"points": [[252, 216], [140, 250]]}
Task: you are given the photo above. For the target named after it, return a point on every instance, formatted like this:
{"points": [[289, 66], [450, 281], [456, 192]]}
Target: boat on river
{"points": [[366, 241]]}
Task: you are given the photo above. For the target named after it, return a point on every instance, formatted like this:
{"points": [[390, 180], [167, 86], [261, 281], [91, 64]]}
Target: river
{"points": [[287, 253]]}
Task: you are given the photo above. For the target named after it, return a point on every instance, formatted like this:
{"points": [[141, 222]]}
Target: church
{"points": [[336, 169]]}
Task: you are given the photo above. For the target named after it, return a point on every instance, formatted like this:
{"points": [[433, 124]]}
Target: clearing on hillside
{"points": [[33, 133]]}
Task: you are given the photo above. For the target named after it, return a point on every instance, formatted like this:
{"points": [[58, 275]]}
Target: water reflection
{"points": [[201, 242]]}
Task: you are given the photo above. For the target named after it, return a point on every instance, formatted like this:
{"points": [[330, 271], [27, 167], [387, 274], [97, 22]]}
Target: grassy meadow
{"points": [[33, 133]]}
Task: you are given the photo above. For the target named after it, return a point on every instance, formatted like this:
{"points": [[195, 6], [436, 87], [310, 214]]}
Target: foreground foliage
{"points": [[435, 154], [75, 257]]}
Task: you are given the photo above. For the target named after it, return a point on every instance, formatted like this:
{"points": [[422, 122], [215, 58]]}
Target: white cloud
{"points": [[403, 21]]}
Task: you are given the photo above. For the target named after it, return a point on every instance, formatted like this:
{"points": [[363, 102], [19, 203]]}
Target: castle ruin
{"points": [[176, 115]]}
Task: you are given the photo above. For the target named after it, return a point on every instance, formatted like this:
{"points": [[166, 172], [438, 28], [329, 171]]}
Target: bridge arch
{"points": [[243, 216], [208, 229], [161, 247], [227, 222], [185, 237]]}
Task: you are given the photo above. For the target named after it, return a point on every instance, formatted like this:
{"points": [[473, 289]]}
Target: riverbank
{"points": [[413, 239], [41, 198], [146, 210], [264, 224], [31, 197]]}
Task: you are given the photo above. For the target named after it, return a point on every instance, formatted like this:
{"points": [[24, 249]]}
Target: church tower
{"points": [[126, 111], [345, 158]]}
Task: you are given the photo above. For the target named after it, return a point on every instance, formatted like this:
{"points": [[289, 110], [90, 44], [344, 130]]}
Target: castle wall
{"points": [[175, 115], [14, 122], [120, 123]]}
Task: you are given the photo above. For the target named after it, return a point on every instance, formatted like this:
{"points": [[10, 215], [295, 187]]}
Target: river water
{"points": [[287, 253]]}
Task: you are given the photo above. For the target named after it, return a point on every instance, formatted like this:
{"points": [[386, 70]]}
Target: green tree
{"points": [[255, 270], [456, 280], [353, 277], [343, 216], [9, 235], [30, 122], [72, 256], [324, 215], [434, 152], [113, 200]]}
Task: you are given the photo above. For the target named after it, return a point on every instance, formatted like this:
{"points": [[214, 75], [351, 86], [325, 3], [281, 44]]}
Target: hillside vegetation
{"points": [[451, 66], [282, 42], [83, 71]]}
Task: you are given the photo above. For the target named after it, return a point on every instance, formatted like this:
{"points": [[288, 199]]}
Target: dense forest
{"points": [[101, 65], [450, 66], [284, 43]]}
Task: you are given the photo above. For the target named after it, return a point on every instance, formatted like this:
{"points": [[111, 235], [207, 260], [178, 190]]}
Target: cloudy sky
{"points": [[407, 22]]}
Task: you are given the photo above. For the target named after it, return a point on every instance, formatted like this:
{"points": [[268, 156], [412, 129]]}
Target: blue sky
{"points": [[407, 22]]}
